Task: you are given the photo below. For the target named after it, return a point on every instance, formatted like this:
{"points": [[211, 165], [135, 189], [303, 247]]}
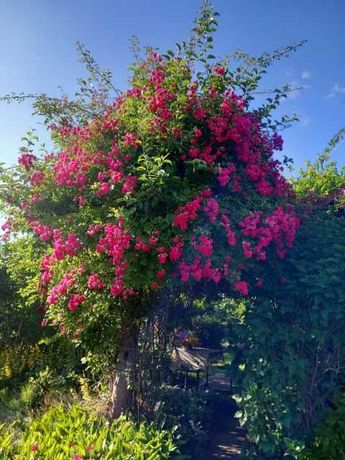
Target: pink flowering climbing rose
{"points": [[174, 181]]}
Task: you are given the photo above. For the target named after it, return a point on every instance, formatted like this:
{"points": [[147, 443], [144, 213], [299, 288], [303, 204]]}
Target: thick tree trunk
{"points": [[120, 383]]}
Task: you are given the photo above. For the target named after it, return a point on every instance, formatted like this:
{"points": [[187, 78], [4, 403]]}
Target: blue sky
{"points": [[37, 54]]}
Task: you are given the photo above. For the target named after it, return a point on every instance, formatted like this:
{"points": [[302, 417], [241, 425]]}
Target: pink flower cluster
{"points": [[95, 282], [198, 271], [175, 252], [230, 234], [44, 232], [158, 102], [46, 269], [129, 184], [79, 132], [130, 139], [212, 209], [6, 227], [103, 189], [205, 245], [93, 229], [62, 287], [242, 287], [69, 247], [225, 174], [36, 178], [75, 301], [71, 168], [218, 70], [115, 242], [189, 212], [27, 160], [280, 227], [249, 145]]}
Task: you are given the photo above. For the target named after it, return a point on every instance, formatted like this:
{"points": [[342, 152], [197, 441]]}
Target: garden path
{"points": [[227, 442], [227, 438]]}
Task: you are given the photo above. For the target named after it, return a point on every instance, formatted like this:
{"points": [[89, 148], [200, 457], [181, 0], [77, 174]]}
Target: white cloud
{"points": [[305, 120], [296, 89], [336, 91], [306, 74]]}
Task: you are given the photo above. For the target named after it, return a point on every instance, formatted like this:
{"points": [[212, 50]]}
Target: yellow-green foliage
{"points": [[324, 177], [63, 434]]}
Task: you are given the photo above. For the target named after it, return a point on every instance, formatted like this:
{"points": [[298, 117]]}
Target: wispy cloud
{"points": [[298, 82], [297, 89], [305, 120], [306, 74], [336, 91]]}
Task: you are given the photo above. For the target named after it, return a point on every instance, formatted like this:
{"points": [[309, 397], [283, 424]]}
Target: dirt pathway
{"points": [[227, 441], [227, 438]]}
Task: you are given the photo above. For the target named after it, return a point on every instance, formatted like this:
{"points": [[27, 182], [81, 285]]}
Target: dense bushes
{"points": [[191, 414], [295, 356], [62, 434], [329, 443]]}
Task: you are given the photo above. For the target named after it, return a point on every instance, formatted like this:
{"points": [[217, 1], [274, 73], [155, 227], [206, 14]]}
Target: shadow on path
{"points": [[227, 441], [227, 438]]}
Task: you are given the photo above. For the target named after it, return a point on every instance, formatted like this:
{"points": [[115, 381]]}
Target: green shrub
{"points": [[191, 413], [186, 411], [295, 344], [329, 443], [62, 434], [33, 393]]}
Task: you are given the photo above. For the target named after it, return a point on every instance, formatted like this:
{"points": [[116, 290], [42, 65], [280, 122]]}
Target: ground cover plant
{"points": [[62, 433]]}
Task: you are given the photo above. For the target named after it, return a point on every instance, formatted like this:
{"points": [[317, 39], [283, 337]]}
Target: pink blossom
{"points": [[225, 174], [230, 234], [277, 142], [117, 287], [218, 70], [129, 184], [130, 139], [75, 301], [95, 282], [72, 244], [80, 199], [26, 160], [212, 209], [187, 213], [44, 232], [104, 189], [162, 258], [175, 253], [160, 274], [37, 177], [242, 287], [93, 229], [246, 246], [205, 246]]}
